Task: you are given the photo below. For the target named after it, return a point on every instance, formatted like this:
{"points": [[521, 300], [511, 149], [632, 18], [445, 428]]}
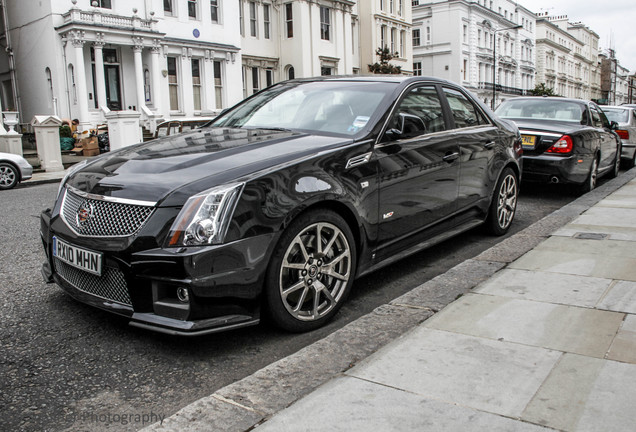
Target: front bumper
{"points": [[223, 282], [557, 169]]}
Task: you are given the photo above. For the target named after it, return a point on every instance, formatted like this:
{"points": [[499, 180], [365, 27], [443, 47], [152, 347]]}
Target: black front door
{"points": [[113, 87]]}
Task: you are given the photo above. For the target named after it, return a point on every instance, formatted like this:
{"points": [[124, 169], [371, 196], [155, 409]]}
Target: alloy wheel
{"points": [[8, 176], [315, 271], [507, 201]]}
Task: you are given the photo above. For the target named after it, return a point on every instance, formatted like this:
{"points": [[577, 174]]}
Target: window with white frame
{"points": [[417, 68], [402, 42], [383, 36], [173, 83], [289, 20], [393, 38], [391, 10], [193, 6], [196, 83], [266, 21], [168, 8], [269, 77], [147, 94], [416, 37], [241, 26], [106, 4], [415, 2], [428, 35], [253, 23], [325, 17], [214, 11], [400, 7], [218, 84], [381, 5], [255, 80]]}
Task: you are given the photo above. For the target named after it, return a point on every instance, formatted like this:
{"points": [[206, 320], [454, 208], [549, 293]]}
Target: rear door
{"points": [[607, 139], [478, 141], [418, 171]]}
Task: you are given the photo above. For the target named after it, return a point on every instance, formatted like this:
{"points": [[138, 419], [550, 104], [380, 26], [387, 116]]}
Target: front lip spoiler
{"points": [[157, 323]]}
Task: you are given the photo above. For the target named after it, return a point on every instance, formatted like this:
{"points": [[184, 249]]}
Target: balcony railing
{"points": [[504, 89], [97, 17]]}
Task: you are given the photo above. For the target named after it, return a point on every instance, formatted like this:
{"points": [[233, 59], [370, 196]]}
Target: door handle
{"points": [[489, 144], [450, 157]]}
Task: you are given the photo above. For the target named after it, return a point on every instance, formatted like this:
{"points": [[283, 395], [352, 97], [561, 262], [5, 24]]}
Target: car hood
{"points": [[548, 126], [169, 170]]}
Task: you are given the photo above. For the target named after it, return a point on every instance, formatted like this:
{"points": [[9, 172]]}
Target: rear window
{"points": [[542, 109], [617, 114]]}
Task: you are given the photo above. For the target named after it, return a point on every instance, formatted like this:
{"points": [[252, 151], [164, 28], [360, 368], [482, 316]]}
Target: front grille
{"points": [[111, 285], [103, 218]]}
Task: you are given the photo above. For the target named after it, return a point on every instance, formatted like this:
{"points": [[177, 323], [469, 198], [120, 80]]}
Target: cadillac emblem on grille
{"points": [[84, 213]]}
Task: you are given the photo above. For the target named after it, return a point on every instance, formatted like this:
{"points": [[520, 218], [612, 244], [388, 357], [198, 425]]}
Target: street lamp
{"points": [[494, 60]]}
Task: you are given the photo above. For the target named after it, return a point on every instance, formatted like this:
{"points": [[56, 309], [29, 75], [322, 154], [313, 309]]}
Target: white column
{"points": [[347, 43], [100, 80], [80, 81], [139, 74], [155, 77]]}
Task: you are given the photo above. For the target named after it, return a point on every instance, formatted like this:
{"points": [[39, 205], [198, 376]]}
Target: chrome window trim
{"points": [[111, 199]]}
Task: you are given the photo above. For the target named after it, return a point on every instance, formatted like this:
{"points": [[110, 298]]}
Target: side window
{"points": [[419, 112], [464, 111]]}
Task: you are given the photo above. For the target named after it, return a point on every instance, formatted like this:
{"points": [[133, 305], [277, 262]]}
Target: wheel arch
{"points": [[17, 168], [339, 208]]}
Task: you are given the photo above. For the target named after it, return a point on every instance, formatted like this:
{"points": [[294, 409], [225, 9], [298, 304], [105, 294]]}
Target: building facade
{"points": [[567, 57], [386, 23], [166, 58], [487, 46]]}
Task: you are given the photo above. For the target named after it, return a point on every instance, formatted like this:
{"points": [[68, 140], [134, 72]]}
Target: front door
{"points": [[418, 172], [113, 87]]}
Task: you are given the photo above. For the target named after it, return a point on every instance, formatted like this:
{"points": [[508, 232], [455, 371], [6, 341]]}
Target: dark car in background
{"points": [[280, 203], [625, 117], [564, 140]]}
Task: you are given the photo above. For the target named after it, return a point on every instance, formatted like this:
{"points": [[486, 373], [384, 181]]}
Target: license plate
{"points": [[78, 257], [528, 141]]}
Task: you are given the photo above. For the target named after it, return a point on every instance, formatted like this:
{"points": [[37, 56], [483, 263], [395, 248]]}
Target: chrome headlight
{"points": [[72, 170], [205, 217]]}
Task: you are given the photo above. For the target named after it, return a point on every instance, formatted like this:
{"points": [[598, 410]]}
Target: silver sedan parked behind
{"points": [[625, 116], [13, 170]]}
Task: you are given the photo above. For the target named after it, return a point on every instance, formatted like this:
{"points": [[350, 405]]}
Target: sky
{"points": [[612, 20]]}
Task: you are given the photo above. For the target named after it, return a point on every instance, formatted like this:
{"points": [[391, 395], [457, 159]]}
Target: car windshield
{"points": [[340, 107], [542, 109], [618, 115]]}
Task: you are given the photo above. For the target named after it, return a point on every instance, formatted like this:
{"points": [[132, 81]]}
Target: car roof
{"points": [[376, 78]]}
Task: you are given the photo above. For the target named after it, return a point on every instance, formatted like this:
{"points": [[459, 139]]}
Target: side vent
{"points": [[358, 160]]}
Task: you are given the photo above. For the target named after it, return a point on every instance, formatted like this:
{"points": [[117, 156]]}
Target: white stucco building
{"points": [[476, 43], [386, 23], [567, 57], [165, 58]]}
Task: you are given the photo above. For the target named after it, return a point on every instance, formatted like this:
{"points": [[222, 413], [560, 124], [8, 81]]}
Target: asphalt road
{"points": [[66, 366]]}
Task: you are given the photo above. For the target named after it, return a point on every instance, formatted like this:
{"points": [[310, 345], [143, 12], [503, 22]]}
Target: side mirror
{"points": [[408, 126], [613, 125]]}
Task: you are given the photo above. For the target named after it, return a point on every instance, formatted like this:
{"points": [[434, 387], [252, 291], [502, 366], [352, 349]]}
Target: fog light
{"points": [[182, 295]]}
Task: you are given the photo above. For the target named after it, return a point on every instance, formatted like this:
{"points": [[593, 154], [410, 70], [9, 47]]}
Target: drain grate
{"points": [[591, 236]]}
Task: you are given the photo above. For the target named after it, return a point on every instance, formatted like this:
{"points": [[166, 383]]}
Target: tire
{"points": [[9, 176], [629, 163], [617, 164], [504, 203], [311, 272], [590, 183]]}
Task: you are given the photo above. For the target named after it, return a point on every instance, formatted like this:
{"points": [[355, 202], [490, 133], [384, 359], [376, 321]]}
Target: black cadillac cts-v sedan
{"points": [[280, 203]]}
